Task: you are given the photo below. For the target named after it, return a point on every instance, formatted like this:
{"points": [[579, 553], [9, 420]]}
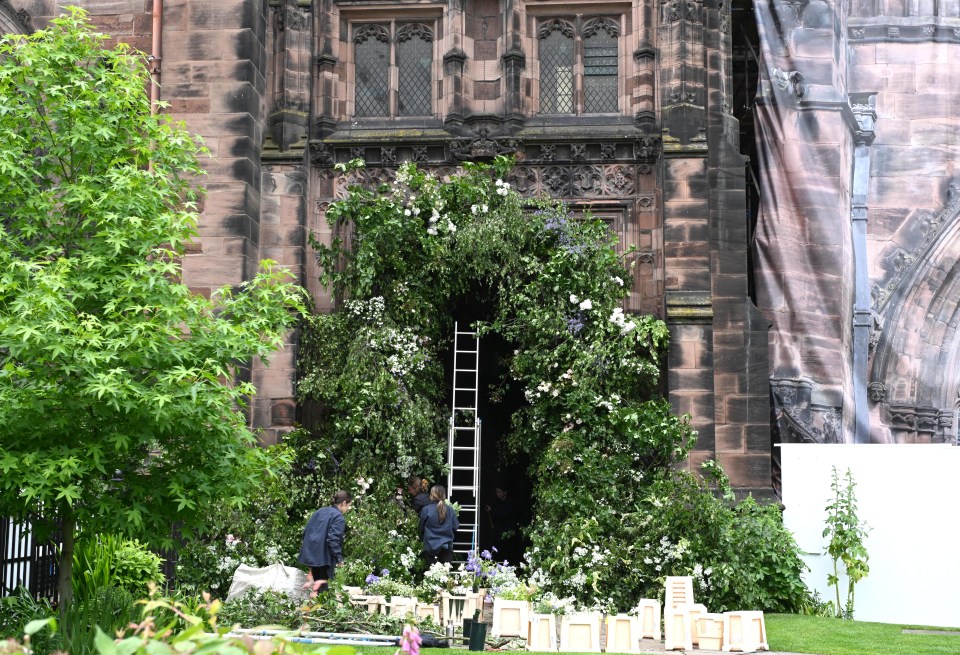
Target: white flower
{"points": [[451, 227], [574, 299], [617, 280], [484, 209], [474, 209], [586, 304], [407, 212], [432, 230]]}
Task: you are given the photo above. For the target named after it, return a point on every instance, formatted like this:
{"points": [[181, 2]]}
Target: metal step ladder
{"points": [[463, 447]]}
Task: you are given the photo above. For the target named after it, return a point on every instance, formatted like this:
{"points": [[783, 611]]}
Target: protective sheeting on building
{"points": [[857, 241]]}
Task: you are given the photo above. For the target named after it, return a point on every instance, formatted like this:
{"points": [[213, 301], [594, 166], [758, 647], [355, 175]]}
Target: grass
{"points": [[821, 636], [814, 634]]}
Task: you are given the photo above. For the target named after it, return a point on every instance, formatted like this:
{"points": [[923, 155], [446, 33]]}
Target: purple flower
{"points": [[486, 555], [385, 572], [372, 578]]}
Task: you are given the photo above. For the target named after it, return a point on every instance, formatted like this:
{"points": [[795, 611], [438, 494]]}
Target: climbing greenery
{"points": [[614, 509]]}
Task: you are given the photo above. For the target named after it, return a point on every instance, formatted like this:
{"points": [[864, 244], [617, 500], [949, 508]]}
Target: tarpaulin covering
{"points": [[856, 246]]}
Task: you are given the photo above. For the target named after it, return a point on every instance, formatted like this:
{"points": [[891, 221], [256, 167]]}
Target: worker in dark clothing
{"points": [[322, 548], [438, 526], [419, 489]]}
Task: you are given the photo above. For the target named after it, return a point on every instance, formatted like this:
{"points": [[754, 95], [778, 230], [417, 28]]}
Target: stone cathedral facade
{"points": [[741, 148]]}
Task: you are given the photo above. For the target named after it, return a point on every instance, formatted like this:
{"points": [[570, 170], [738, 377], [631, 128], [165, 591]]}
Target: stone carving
{"points": [[548, 152], [903, 261], [22, 16], [586, 181], [415, 31], [419, 155], [388, 155], [524, 180], [357, 152], [671, 11], [877, 391], [323, 206], [578, 151], [647, 147], [608, 150], [366, 31], [645, 257], [790, 80], [321, 154], [929, 30], [857, 33], [556, 180], [893, 32], [645, 169], [646, 201], [619, 180], [481, 146], [295, 20], [594, 25], [564, 27]]}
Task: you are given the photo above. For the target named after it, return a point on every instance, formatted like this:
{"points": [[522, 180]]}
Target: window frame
{"points": [[580, 27], [393, 26]]}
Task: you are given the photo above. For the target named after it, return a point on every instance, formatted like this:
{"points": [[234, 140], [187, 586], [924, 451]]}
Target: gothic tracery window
{"points": [[393, 69], [579, 65]]}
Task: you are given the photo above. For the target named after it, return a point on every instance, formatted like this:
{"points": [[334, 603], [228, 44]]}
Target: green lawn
{"points": [[812, 634]]}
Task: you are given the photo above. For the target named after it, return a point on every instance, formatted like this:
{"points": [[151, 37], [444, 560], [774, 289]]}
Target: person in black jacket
{"points": [[419, 489], [322, 548], [438, 525]]}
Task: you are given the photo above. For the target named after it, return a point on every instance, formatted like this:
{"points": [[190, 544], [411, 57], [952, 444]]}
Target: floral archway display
{"points": [[613, 509]]}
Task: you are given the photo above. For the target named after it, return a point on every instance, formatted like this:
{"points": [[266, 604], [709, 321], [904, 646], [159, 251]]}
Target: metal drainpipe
{"points": [[865, 113], [156, 55]]}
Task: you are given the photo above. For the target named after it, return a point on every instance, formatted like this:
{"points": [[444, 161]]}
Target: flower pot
{"points": [[648, 616], [510, 618], [580, 633], [455, 608], [429, 612], [710, 631], [543, 632], [744, 631], [478, 635], [623, 634]]}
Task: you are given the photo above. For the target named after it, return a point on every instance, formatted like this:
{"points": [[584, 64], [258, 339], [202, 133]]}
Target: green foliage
{"points": [[106, 560], [613, 515], [120, 372], [20, 608], [107, 609], [381, 530], [262, 607], [846, 533]]}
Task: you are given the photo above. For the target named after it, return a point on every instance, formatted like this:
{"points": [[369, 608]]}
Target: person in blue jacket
{"points": [[322, 548], [438, 525]]}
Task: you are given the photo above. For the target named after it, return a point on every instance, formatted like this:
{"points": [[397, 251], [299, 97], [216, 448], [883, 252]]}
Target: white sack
{"points": [[276, 577]]}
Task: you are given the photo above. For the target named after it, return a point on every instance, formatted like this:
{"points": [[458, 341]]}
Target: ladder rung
{"points": [[457, 487], [466, 352], [465, 370]]}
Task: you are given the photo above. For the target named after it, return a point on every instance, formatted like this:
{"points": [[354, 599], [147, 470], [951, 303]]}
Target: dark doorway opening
{"points": [[497, 401]]}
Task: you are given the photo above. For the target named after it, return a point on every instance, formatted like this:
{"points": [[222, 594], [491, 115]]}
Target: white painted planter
{"points": [[744, 631], [510, 618], [454, 608], [580, 633], [623, 634], [710, 631], [543, 632], [649, 618], [400, 606], [677, 631], [429, 612]]}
